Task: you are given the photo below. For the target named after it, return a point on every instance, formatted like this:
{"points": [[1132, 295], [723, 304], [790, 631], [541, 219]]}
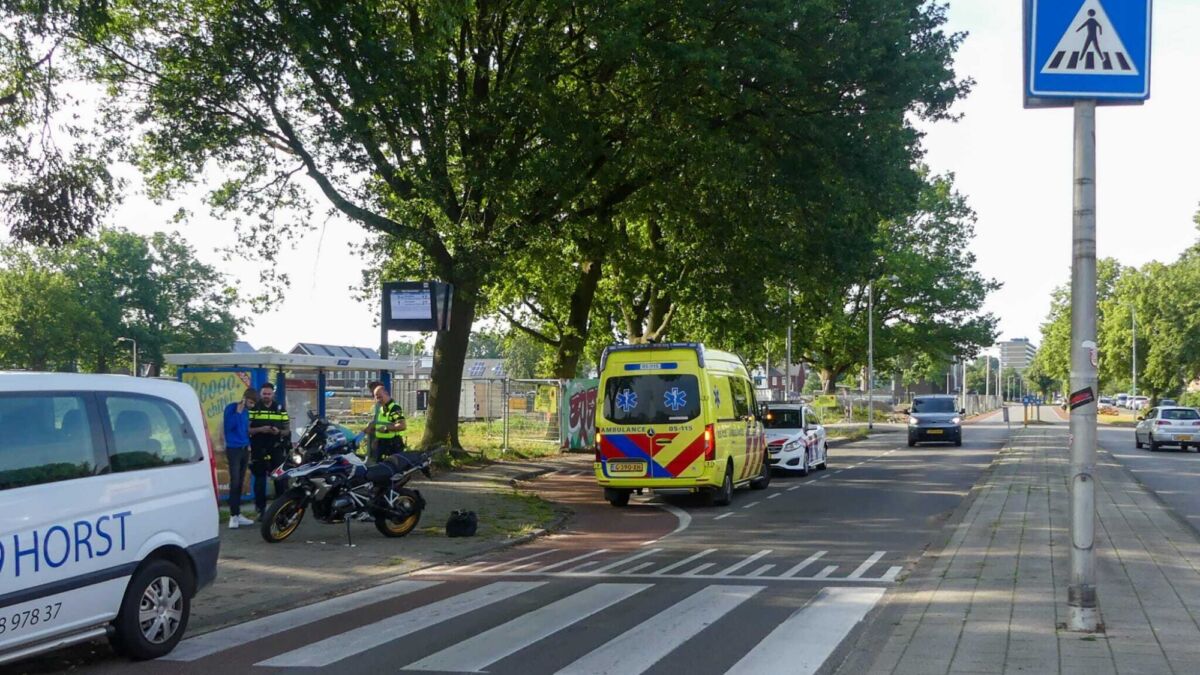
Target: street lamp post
{"points": [[1133, 310], [135, 365]]}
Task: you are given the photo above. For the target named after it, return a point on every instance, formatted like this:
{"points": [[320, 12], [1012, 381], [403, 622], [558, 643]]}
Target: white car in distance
{"points": [[796, 439]]}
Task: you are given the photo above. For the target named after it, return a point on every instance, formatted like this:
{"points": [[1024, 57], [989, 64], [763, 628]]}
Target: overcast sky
{"points": [[1014, 165]]}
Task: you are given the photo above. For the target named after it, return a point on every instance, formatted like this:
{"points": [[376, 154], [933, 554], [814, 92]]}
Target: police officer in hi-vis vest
{"points": [[388, 427], [270, 439]]}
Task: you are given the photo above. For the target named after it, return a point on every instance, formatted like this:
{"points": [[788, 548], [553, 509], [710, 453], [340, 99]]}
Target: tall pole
{"points": [[787, 377], [870, 351], [1081, 594], [1134, 310]]}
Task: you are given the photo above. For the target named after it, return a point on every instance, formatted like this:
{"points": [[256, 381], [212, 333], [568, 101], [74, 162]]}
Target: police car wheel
{"points": [[154, 612]]}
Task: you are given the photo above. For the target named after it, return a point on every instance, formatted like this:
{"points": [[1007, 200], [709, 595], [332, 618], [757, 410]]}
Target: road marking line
{"points": [[490, 646], [737, 566], [891, 574], [581, 566], [824, 623], [698, 570], [794, 487], [681, 563], [839, 471], [627, 559], [862, 569], [809, 482], [724, 515], [564, 563], [773, 496], [198, 647], [459, 569], [521, 559], [684, 518], [632, 653], [356, 641], [807, 561], [761, 571], [636, 568], [751, 504], [824, 574]]}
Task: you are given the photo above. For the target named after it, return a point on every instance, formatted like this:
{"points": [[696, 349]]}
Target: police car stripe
{"points": [[639, 648]]}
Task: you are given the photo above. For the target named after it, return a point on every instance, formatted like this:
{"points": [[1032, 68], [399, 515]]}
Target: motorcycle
{"points": [[328, 477]]}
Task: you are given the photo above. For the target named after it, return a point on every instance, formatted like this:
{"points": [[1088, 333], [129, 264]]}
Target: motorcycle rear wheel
{"points": [[283, 516], [398, 528]]}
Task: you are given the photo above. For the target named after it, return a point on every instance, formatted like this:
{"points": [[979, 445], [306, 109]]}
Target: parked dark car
{"points": [[935, 419]]}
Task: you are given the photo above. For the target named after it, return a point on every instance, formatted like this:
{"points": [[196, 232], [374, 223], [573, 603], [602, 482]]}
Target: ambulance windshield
{"points": [[651, 399]]}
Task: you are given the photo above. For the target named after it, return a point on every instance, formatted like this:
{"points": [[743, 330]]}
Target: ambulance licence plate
{"points": [[934, 432], [627, 467]]}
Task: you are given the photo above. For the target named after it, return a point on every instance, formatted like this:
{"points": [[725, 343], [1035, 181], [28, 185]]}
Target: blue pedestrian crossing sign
{"points": [[1087, 49]]}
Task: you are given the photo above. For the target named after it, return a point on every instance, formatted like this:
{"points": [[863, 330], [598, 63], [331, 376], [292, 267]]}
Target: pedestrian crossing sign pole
{"points": [[1082, 53]]}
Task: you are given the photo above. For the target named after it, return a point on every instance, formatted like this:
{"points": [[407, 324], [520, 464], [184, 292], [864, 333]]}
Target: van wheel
{"points": [[722, 496], [764, 476], [154, 612], [618, 498]]}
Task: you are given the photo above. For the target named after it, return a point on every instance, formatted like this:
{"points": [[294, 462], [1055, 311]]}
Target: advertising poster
{"points": [[217, 390]]}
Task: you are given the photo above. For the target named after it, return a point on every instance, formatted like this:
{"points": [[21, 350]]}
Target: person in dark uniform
{"points": [[270, 436], [387, 427]]}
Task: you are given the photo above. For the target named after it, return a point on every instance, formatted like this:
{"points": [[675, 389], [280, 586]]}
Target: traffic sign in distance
{"points": [[1088, 49]]}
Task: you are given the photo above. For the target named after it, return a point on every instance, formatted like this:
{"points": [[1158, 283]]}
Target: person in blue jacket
{"points": [[237, 451]]}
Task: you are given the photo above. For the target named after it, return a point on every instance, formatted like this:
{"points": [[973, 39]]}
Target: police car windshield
{"points": [[651, 399], [933, 405], [782, 419]]}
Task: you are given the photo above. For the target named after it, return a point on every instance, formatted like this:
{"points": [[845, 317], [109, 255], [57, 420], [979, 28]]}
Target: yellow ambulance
{"points": [[677, 418]]}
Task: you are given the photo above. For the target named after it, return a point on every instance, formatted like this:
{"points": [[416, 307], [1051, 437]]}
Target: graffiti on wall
{"points": [[579, 414]]}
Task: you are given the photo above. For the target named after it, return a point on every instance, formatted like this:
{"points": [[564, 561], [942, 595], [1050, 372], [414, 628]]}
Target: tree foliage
{"points": [[63, 308]]}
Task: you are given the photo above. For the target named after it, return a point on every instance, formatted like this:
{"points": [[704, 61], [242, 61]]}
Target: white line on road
{"points": [[201, 646], [681, 563], [773, 496], [631, 652], [862, 569], [685, 519], [521, 559], [891, 574], [824, 574], [795, 487], [582, 566], [824, 623], [761, 571], [698, 569], [627, 559], [737, 566], [751, 504], [566, 562], [724, 515], [488, 647], [356, 641], [807, 561], [638, 568]]}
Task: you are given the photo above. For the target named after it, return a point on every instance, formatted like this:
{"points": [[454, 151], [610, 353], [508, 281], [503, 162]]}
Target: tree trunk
{"points": [[445, 388], [574, 337], [829, 378]]}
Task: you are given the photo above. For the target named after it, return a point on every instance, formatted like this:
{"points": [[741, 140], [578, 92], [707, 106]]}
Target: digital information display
{"points": [[422, 306]]}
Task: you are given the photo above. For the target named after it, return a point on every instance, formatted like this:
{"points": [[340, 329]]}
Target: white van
{"points": [[108, 512]]}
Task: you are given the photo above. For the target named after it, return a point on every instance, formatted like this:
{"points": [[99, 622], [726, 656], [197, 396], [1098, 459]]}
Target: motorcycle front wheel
{"points": [[283, 516], [403, 501]]}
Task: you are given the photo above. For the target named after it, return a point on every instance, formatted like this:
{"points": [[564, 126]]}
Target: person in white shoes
{"points": [[237, 451]]}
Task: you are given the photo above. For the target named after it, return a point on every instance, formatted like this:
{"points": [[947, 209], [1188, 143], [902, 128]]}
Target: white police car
{"points": [[795, 438], [108, 512]]}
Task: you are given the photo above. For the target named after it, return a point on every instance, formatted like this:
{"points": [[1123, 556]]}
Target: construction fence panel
{"points": [[532, 413]]}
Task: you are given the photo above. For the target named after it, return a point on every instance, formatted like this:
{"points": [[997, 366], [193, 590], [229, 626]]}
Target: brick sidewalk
{"points": [[994, 599]]}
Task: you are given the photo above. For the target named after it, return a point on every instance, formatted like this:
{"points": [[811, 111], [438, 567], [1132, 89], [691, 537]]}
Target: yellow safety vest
{"points": [[391, 413]]}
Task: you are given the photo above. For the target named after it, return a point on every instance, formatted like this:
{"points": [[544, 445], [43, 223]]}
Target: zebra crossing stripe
{"points": [[807, 561], [639, 648], [343, 646], [201, 646], [681, 563], [737, 566], [824, 623], [862, 569], [477, 653]]}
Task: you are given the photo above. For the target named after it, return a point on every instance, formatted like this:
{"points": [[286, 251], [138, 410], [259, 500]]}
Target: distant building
{"points": [[243, 347], [1016, 354]]}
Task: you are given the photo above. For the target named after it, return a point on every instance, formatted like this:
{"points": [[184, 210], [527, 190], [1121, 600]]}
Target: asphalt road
{"points": [[1170, 472], [776, 582]]}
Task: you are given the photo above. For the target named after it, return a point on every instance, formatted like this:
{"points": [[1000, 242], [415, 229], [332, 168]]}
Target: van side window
{"points": [[45, 439], [741, 399], [722, 397], [146, 433]]}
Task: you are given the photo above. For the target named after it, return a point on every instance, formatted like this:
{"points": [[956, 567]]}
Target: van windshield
{"points": [[933, 405], [651, 399]]}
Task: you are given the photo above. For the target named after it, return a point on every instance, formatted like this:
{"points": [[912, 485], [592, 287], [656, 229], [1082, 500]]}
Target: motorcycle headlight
{"points": [[912, 421], [956, 420]]}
